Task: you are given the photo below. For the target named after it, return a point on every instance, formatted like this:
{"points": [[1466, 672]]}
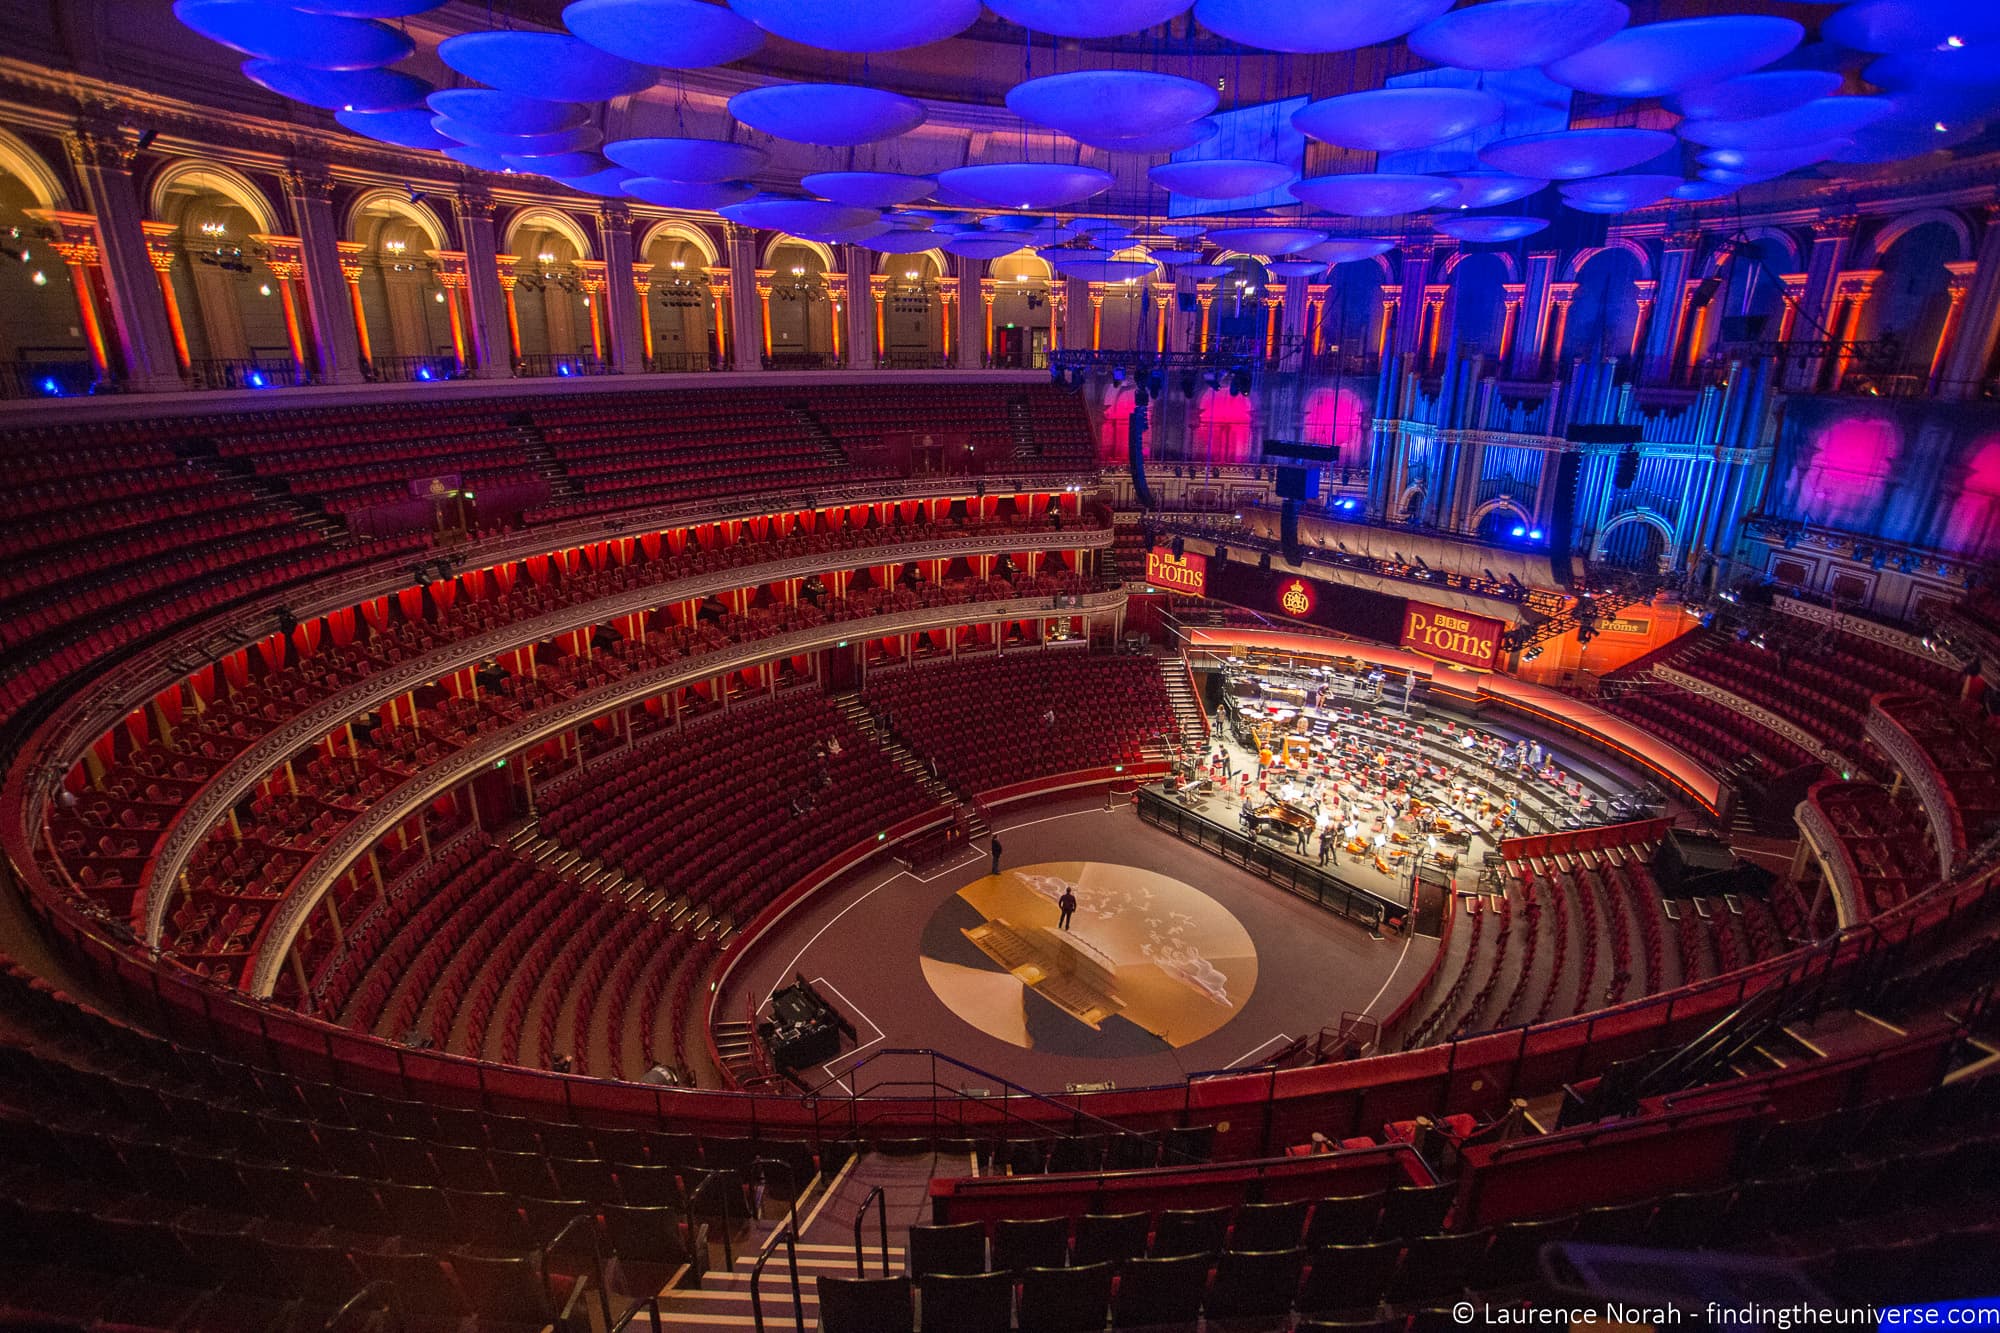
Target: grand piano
{"points": [[1280, 819]]}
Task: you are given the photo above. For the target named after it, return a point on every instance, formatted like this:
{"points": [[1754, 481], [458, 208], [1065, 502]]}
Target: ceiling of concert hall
{"points": [[914, 118]]}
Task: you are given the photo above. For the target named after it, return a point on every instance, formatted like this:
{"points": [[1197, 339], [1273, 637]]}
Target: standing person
{"points": [[996, 856], [1068, 905], [1325, 843]]}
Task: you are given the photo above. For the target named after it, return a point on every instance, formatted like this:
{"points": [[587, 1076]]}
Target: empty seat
{"points": [[1160, 1291], [1268, 1226], [959, 1248], [1254, 1283], [1065, 1300], [865, 1305], [967, 1302], [1038, 1243], [1348, 1277], [1109, 1237]]}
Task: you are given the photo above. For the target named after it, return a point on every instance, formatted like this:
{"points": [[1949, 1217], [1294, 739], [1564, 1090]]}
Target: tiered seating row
{"points": [[992, 722]]}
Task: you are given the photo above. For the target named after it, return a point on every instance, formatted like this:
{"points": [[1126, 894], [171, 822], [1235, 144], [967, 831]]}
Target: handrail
{"points": [[589, 1222], [380, 1289], [651, 1304], [791, 1240], [791, 1184], [728, 1239], [855, 1094], [881, 1202]]}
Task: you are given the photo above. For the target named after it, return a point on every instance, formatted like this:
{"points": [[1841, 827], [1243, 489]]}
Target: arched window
{"points": [[1605, 309], [1908, 302], [1478, 304]]}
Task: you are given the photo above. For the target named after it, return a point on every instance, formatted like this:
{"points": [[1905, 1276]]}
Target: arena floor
{"points": [[1176, 962]]}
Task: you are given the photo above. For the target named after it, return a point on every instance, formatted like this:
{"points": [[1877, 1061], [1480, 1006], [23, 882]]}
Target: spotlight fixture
{"points": [[145, 140]]}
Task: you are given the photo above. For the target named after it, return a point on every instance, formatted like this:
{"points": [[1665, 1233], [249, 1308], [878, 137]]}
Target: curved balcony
{"points": [[1950, 755]]}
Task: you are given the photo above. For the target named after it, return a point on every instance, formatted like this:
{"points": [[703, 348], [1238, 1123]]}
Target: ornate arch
{"points": [[1649, 517], [680, 230], [1459, 256], [934, 255], [1026, 254], [1904, 223], [233, 185], [779, 240], [419, 215], [18, 159], [1625, 243], [1412, 496], [1507, 502], [562, 224]]}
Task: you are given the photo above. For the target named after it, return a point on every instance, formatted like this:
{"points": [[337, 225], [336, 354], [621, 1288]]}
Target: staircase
{"points": [[827, 1229], [732, 1049], [906, 759], [1020, 423], [531, 844], [1191, 721], [815, 430], [536, 446], [239, 470]]}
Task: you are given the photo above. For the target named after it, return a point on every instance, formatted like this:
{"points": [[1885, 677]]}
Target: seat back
{"points": [[1161, 1291], [968, 1302], [1190, 1231], [1038, 1243], [864, 1305], [1109, 1237], [1255, 1283], [512, 1287], [958, 1248], [1066, 1300], [1348, 1277], [1268, 1226]]}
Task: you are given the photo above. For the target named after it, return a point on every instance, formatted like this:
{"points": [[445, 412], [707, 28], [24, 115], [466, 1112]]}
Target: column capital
{"points": [[1436, 293], [351, 259], [451, 267], [1835, 229], [1392, 291], [473, 203], [948, 288], [100, 146], [878, 285], [1646, 288], [718, 280], [590, 272], [1419, 248], [72, 235], [1794, 284], [1681, 238], [1856, 283], [1960, 282], [1514, 292], [613, 213], [1205, 292], [285, 256], [503, 269], [160, 250], [987, 286], [1276, 291], [308, 182], [1562, 293], [1316, 292]]}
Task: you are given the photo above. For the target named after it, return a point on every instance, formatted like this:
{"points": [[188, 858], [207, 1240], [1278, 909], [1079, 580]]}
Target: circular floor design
{"points": [[1148, 964]]}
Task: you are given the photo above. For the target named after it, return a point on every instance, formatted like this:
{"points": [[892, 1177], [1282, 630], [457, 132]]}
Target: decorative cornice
{"points": [[1872, 630], [346, 847]]}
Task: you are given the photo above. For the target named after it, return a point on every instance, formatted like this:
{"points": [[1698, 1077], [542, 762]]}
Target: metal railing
{"points": [[1316, 886], [790, 1239], [246, 372], [683, 363], [561, 365], [411, 369], [62, 376], [881, 1202]]}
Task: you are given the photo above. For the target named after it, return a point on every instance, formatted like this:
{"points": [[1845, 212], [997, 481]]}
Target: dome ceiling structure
{"points": [[890, 102]]}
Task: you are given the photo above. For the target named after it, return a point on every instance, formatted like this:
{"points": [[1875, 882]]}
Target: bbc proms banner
{"points": [[1177, 573], [1452, 636]]}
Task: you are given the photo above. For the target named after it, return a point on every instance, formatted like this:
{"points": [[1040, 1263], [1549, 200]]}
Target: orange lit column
{"points": [[285, 258], [1204, 293], [1316, 294], [837, 289], [1512, 295], [718, 286], [592, 273], [1960, 283], [948, 303], [986, 286], [1058, 313], [1644, 290], [77, 245], [504, 271], [1560, 295], [643, 288], [1163, 304], [878, 292], [764, 308], [1854, 287], [1794, 288], [1096, 316], [1434, 299], [350, 273], [1392, 301], [451, 277], [160, 253], [1274, 308]]}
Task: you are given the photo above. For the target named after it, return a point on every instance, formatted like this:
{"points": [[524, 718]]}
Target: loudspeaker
{"points": [[1288, 532], [1135, 450], [1704, 292], [1627, 469], [1562, 517], [1298, 483], [1744, 328], [1179, 546]]}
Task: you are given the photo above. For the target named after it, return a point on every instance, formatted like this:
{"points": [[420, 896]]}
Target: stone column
{"points": [[947, 329], [160, 249], [720, 317], [1511, 294], [1851, 293], [1560, 296], [859, 315], [1434, 347], [452, 277], [591, 275], [1058, 295], [329, 314], [642, 287], [1670, 306], [746, 309], [484, 298], [966, 342], [1979, 319], [103, 163], [285, 257], [1645, 290], [351, 253], [1531, 329], [621, 308], [1832, 238], [878, 316], [1315, 322]]}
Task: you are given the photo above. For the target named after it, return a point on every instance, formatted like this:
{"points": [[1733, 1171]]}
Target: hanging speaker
{"points": [[1288, 532], [1627, 470], [1135, 449], [1704, 292], [1562, 517]]}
